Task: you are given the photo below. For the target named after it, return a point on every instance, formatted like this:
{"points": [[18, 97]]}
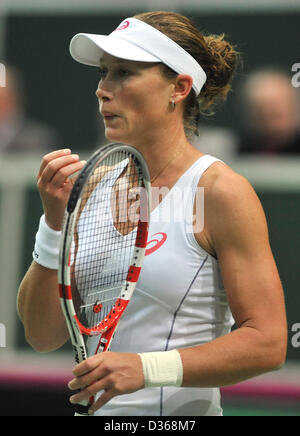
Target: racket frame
{"points": [[75, 328]]}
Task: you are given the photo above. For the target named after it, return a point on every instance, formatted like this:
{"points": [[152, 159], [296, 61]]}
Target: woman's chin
{"points": [[114, 136], [111, 134]]}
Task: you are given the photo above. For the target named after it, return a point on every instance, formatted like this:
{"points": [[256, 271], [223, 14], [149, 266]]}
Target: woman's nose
{"points": [[102, 93]]}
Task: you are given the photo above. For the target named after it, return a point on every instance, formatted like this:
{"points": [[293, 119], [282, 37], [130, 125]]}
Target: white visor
{"points": [[137, 41]]}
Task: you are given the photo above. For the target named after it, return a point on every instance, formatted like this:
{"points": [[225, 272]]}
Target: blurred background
{"points": [[47, 101]]}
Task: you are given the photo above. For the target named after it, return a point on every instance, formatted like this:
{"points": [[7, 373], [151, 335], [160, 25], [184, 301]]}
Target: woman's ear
{"points": [[182, 87]]}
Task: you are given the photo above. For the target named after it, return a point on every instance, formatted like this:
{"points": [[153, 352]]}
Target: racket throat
{"points": [[105, 340]]}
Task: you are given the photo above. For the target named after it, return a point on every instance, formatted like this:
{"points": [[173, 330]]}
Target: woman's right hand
{"points": [[55, 182]]}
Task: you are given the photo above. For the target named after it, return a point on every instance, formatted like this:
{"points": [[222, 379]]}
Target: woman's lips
{"points": [[108, 116]]}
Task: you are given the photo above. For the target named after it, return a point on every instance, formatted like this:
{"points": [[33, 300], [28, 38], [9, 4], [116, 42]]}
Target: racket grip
{"points": [[81, 410]]}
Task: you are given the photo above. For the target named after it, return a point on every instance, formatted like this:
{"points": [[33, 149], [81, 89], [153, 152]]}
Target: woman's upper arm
{"points": [[238, 230]]}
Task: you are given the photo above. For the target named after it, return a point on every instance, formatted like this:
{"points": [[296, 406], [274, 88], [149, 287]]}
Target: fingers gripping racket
{"points": [[102, 248]]}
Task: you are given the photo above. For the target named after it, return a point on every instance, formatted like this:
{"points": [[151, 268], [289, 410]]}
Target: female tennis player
{"points": [[175, 346]]}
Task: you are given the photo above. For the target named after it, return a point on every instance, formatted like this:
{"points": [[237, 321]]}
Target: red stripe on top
{"points": [[133, 273]]}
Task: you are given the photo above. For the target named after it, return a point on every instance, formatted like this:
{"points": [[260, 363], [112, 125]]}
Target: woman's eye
{"points": [[124, 73], [117, 74], [102, 73]]}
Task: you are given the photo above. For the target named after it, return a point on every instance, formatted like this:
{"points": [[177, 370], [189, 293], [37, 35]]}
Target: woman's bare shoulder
{"points": [[223, 182], [231, 206]]}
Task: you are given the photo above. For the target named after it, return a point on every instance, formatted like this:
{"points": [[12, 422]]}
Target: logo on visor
{"points": [[123, 25]]}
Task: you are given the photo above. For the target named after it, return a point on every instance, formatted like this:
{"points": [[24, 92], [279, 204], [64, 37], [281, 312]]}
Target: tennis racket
{"points": [[102, 248]]}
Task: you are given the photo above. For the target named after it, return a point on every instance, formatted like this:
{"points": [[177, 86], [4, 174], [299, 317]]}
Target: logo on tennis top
{"points": [[156, 243], [123, 25]]}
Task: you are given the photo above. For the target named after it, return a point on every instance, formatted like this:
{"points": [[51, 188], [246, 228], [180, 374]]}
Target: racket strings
{"points": [[105, 235]]}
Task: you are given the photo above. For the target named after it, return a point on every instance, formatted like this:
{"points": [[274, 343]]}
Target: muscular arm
{"points": [[239, 235], [39, 309]]}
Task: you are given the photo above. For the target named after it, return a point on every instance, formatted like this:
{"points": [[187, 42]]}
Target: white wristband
{"points": [[47, 242], [162, 368]]}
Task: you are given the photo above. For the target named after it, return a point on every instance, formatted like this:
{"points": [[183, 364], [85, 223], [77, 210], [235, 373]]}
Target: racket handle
{"points": [[81, 410]]}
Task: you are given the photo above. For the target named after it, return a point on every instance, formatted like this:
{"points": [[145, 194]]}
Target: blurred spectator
{"points": [[18, 134], [271, 109]]}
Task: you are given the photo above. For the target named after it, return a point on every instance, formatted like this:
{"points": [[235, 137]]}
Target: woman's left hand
{"points": [[114, 373]]}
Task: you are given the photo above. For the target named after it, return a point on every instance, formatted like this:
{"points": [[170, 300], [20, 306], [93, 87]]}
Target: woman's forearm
{"points": [[230, 359], [39, 309]]}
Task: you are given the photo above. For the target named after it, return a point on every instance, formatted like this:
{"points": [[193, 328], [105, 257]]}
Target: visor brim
{"points": [[88, 49]]}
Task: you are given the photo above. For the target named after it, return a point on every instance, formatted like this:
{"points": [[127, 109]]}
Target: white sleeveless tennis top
{"points": [[179, 302]]}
